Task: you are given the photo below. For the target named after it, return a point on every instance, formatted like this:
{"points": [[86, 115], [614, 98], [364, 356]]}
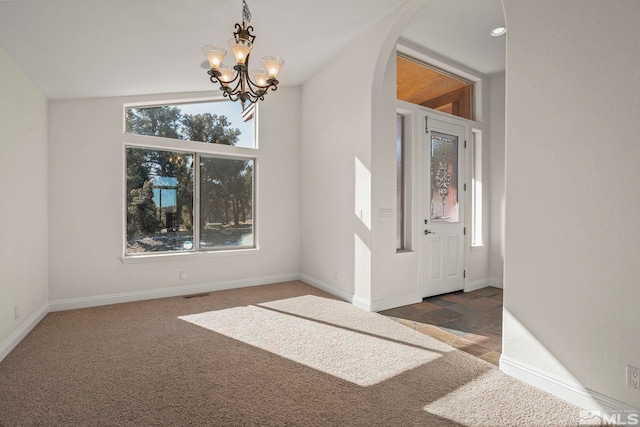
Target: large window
{"points": [[186, 197]]}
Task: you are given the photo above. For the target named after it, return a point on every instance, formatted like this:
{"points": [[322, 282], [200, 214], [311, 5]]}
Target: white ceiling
{"points": [[460, 30], [97, 48]]}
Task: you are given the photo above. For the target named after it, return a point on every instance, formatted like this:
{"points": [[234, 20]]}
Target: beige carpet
{"points": [[277, 355]]}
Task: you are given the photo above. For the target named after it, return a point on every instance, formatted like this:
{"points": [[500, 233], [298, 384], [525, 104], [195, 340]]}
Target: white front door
{"points": [[443, 232]]}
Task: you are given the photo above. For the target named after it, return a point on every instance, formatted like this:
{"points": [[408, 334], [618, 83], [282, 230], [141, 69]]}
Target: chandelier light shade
{"points": [[235, 81]]}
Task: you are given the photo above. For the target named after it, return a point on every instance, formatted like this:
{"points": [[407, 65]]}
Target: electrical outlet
{"points": [[633, 377], [183, 274]]}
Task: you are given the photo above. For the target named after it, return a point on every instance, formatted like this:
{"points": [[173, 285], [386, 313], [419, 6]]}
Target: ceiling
{"points": [[99, 48], [460, 30]]}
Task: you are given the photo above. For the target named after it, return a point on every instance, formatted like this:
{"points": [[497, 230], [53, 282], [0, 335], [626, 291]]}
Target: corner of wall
{"points": [[24, 243], [7, 345]]}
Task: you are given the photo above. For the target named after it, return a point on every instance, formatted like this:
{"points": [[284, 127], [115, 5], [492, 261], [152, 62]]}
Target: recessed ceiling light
{"points": [[498, 31]]}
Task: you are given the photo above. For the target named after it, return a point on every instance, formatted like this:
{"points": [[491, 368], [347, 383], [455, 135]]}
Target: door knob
{"points": [[429, 232]]}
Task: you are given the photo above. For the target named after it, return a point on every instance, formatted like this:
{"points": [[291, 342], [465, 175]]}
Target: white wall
{"points": [[495, 145], [572, 288], [23, 210], [339, 130], [395, 274], [86, 206]]}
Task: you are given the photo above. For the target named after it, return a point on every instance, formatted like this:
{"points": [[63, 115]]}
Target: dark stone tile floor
{"points": [[469, 321]]}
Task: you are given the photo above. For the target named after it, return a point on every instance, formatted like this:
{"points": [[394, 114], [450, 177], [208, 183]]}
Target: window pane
{"points": [[215, 122], [159, 201], [430, 87], [476, 183], [399, 181], [226, 203], [444, 177]]}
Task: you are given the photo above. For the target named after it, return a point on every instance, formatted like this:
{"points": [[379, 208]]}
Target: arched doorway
{"points": [[454, 36]]}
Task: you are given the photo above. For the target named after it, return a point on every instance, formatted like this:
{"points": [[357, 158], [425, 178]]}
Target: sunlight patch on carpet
{"points": [[340, 350], [467, 404]]}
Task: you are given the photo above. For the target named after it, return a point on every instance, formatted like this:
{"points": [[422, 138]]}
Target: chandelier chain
{"points": [[246, 14]]}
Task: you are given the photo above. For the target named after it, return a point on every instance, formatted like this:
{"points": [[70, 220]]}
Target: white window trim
{"points": [[182, 256], [410, 180], [477, 189]]}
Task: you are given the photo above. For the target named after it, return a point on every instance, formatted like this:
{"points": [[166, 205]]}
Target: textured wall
{"points": [[573, 191], [496, 148]]}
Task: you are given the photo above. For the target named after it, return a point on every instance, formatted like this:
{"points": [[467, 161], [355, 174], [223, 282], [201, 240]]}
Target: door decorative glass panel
{"points": [[444, 177]]}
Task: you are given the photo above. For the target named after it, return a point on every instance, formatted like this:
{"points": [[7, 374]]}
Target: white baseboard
{"points": [[75, 303], [483, 283], [323, 286], [476, 284], [399, 301], [362, 303], [566, 390], [496, 283], [18, 335]]}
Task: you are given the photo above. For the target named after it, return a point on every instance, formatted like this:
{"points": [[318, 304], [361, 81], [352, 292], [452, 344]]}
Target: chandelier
{"points": [[235, 81]]}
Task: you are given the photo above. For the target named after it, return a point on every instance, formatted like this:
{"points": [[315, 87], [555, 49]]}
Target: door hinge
{"points": [[465, 187], [426, 124], [464, 274], [465, 144], [465, 231]]}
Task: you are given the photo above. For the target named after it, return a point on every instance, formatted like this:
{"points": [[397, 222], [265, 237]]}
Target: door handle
{"points": [[426, 232]]}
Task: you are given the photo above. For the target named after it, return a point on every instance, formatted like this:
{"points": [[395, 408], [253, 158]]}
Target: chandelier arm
{"points": [[251, 90], [255, 88], [259, 90], [237, 79]]}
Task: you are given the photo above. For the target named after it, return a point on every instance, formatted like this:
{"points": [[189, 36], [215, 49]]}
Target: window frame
{"points": [[443, 72], [401, 193], [197, 149], [409, 166]]}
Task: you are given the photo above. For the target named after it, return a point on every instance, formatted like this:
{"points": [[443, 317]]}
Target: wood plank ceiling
{"points": [[419, 84]]}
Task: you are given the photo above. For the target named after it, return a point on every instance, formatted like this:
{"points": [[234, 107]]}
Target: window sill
{"points": [[186, 256], [478, 248]]}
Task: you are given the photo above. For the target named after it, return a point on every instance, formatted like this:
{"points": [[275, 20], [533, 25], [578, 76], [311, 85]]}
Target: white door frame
{"points": [[415, 134]]}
